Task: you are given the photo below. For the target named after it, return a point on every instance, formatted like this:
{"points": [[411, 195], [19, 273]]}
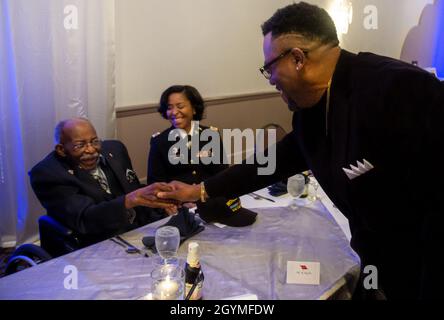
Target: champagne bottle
{"points": [[193, 273]]}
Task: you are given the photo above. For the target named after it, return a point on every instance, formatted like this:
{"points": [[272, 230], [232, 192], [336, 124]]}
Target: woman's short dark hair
{"points": [[308, 20], [192, 95]]}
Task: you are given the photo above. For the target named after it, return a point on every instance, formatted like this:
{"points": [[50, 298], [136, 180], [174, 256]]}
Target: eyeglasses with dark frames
{"points": [[265, 69], [80, 146]]}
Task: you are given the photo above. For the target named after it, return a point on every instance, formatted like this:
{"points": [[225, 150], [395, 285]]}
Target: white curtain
{"points": [[56, 61]]}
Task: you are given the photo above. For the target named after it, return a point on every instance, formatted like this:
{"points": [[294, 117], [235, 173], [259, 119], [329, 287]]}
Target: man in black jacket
{"points": [[90, 187], [371, 130]]}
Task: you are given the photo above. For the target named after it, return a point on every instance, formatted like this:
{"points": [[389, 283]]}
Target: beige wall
{"points": [[135, 130], [213, 45]]}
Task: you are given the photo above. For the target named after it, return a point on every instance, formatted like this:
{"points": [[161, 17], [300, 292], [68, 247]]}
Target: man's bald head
{"points": [[59, 133], [77, 141]]}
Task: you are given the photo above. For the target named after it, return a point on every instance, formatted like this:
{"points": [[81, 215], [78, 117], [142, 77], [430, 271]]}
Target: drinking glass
{"points": [[168, 282], [167, 241], [295, 187]]}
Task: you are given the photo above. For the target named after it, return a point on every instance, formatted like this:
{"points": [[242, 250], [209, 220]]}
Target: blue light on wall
{"points": [[439, 54]]}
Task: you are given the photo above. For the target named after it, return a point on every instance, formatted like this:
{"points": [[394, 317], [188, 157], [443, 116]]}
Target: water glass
{"points": [[295, 187]]}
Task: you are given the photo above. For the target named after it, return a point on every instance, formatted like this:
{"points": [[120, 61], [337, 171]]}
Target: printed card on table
{"points": [[301, 272]]}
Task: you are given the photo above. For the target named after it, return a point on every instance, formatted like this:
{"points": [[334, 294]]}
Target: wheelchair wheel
{"points": [[25, 256]]}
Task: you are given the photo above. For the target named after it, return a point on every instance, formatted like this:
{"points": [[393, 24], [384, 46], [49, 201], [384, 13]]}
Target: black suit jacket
{"points": [[391, 114], [161, 170], [71, 195]]}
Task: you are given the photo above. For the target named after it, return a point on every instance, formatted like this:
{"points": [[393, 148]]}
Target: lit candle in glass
{"points": [[167, 289], [168, 282]]}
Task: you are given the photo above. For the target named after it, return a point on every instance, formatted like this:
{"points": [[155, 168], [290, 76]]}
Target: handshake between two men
{"points": [[167, 196]]}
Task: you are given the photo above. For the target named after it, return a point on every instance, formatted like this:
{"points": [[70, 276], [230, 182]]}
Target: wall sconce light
{"points": [[341, 12]]}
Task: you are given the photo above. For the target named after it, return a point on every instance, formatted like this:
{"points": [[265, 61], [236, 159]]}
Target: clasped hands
{"points": [[168, 196]]}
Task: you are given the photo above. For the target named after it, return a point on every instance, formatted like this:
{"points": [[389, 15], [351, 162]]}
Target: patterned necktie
{"points": [[97, 175], [101, 180]]}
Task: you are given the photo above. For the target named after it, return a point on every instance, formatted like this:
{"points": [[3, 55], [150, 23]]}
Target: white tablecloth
{"points": [[235, 261]]}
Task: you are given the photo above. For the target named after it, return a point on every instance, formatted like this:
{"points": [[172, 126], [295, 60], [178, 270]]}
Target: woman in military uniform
{"points": [[183, 106]]}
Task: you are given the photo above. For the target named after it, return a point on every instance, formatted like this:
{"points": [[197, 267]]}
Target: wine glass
{"points": [[295, 187], [167, 241]]}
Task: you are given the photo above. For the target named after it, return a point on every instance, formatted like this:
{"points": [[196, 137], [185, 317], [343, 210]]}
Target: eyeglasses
{"points": [[96, 143], [265, 70]]}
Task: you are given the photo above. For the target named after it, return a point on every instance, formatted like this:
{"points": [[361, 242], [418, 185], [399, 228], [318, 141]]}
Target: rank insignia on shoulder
{"points": [[71, 172], [130, 175], [155, 135]]}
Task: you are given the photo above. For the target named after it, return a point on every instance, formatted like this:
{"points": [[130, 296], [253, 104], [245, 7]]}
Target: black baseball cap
{"points": [[228, 212]]}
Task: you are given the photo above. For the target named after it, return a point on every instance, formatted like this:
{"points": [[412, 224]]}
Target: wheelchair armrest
{"points": [[57, 239], [49, 223]]}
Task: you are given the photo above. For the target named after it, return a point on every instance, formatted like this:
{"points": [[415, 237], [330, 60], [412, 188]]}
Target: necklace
{"points": [[327, 107]]}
